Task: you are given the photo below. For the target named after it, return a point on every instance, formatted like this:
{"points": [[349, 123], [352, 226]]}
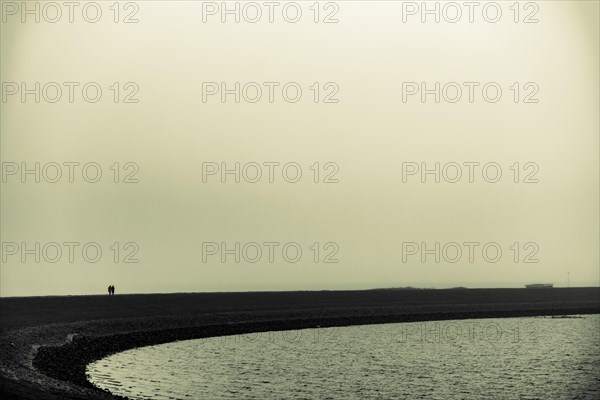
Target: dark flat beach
{"points": [[46, 342]]}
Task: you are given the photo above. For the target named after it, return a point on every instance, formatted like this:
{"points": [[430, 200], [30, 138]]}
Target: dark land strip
{"points": [[46, 342]]}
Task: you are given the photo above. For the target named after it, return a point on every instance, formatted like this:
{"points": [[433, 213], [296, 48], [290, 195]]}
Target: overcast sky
{"points": [[372, 221]]}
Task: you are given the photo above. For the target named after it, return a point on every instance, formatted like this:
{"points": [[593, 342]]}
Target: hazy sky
{"points": [[370, 218]]}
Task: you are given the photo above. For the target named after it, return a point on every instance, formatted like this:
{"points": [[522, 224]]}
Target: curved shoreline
{"points": [[69, 361], [57, 368]]}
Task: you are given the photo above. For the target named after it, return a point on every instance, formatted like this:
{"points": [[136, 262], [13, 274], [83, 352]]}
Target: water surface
{"points": [[528, 358]]}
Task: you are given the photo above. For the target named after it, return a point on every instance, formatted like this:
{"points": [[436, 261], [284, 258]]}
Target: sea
{"points": [[508, 358]]}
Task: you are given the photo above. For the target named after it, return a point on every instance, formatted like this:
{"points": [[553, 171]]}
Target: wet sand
{"points": [[46, 342]]}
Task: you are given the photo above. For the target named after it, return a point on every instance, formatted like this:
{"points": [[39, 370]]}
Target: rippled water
{"points": [[528, 358]]}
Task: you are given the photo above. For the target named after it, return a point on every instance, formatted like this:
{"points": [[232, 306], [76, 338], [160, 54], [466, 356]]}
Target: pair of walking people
{"points": [[111, 290]]}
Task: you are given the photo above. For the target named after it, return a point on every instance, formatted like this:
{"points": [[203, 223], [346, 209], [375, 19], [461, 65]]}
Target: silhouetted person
{"points": [[109, 290], [113, 289]]}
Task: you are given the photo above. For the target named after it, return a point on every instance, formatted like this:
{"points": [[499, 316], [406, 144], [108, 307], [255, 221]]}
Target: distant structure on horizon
{"points": [[540, 286]]}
